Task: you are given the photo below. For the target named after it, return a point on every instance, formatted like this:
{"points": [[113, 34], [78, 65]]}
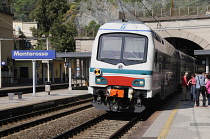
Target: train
{"points": [[132, 67]]}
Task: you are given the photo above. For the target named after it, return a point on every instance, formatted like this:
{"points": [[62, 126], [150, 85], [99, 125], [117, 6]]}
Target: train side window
{"points": [[160, 67], [155, 60], [157, 37]]}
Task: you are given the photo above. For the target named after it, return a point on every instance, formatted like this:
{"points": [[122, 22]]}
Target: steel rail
{"points": [[124, 129], [36, 113], [80, 128], [40, 121]]}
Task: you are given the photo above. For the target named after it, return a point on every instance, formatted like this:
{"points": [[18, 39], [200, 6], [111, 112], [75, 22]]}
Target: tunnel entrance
{"points": [[188, 47]]}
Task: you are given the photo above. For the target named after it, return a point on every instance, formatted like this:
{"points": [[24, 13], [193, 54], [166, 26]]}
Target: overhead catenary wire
{"points": [[164, 28], [122, 10], [154, 17]]}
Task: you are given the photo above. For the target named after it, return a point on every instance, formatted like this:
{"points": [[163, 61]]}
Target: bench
{"points": [[11, 95]]}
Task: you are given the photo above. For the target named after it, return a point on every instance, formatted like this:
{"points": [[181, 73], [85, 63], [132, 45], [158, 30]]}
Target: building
{"points": [[22, 30], [6, 45], [24, 40]]}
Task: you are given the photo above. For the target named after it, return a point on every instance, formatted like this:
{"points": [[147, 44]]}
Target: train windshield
{"points": [[134, 48], [122, 48]]}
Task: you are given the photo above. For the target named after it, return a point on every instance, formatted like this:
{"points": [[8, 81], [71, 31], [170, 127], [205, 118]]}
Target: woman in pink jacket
{"points": [[208, 89]]}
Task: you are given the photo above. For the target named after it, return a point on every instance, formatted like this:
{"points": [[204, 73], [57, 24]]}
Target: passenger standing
{"points": [[192, 82], [205, 74], [184, 87], [200, 88], [208, 89]]}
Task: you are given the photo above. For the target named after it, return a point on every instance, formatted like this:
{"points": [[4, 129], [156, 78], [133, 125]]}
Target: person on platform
{"points": [[192, 82], [208, 89], [200, 88], [184, 87]]}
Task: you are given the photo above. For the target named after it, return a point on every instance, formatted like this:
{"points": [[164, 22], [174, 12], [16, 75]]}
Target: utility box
{"points": [[48, 87]]}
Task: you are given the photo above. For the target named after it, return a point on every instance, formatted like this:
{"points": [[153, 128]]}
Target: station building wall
{"points": [[7, 46]]}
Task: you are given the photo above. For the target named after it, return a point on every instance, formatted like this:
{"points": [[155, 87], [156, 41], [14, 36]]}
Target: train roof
{"points": [[128, 26], [126, 22]]}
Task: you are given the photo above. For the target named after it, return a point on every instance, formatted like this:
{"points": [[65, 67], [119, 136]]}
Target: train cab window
{"points": [[110, 47], [134, 48], [122, 48]]}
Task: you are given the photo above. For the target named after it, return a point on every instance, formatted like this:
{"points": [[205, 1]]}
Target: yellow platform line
{"points": [[168, 123]]}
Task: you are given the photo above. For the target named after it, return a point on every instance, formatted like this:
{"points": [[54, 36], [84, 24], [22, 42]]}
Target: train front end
{"points": [[120, 77]]}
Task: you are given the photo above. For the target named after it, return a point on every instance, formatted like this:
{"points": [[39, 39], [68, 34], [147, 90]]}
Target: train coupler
{"points": [[138, 102], [98, 100]]}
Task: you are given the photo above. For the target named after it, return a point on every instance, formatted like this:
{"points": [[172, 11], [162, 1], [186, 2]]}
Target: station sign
{"points": [[33, 54]]}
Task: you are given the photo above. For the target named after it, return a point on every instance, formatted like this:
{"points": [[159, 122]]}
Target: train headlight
{"points": [[141, 82], [103, 80], [138, 82], [100, 80]]}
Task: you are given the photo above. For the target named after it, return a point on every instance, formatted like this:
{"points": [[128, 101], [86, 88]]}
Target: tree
{"points": [[63, 36], [48, 12], [92, 28], [71, 13], [22, 8]]}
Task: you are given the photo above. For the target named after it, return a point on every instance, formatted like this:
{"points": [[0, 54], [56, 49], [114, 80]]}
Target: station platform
{"points": [[7, 103], [179, 120]]}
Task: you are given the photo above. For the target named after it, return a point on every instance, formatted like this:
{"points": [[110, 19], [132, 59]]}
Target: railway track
{"points": [[73, 121], [77, 120], [104, 126], [109, 125], [17, 123]]}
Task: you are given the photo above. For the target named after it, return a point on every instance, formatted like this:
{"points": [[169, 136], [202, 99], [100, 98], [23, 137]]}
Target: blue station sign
{"points": [[33, 54]]}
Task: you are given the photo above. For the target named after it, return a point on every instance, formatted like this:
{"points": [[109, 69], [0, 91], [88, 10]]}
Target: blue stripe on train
{"points": [[124, 71]]}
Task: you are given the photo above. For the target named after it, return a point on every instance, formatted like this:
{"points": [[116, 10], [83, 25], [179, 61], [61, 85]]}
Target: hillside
{"points": [[102, 11]]}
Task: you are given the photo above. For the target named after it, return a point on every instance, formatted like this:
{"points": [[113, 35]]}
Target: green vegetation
{"points": [[91, 29], [63, 36], [61, 18], [22, 8], [50, 18]]}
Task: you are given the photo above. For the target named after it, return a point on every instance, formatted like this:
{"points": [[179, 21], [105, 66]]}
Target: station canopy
{"points": [[73, 54]]}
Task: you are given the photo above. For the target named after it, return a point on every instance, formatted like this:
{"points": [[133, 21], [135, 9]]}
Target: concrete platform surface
{"points": [[7, 103], [179, 120]]}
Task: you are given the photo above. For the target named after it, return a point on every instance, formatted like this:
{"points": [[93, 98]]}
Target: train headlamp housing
{"points": [[100, 80], [138, 82]]}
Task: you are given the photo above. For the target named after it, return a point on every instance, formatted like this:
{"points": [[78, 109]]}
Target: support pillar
{"points": [[34, 78], [207, 64], [70, 87]]}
